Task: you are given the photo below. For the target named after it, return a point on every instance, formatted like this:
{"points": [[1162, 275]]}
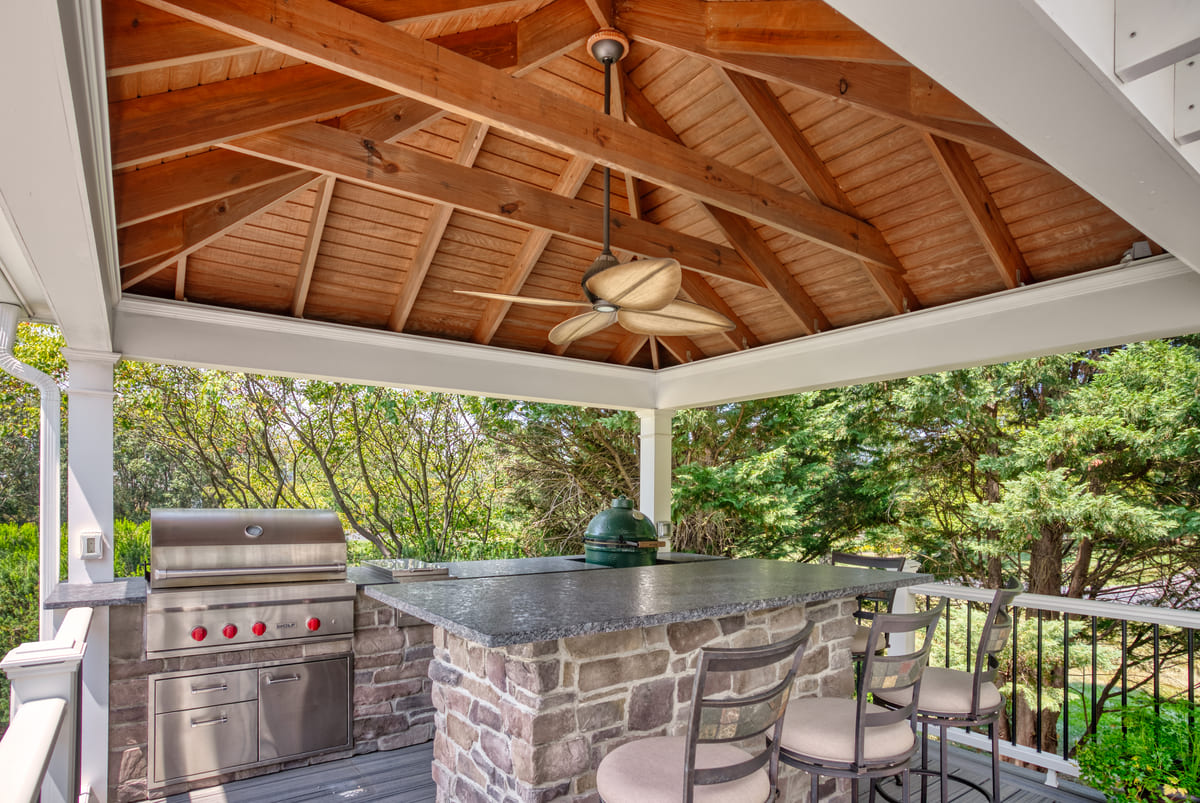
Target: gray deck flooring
{"points": [[402, 776]]}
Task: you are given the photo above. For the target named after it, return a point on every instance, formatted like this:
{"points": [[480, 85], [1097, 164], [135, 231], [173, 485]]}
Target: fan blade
{"points": [[541, 302], [643, 284], [581, 326], [677, 318]]}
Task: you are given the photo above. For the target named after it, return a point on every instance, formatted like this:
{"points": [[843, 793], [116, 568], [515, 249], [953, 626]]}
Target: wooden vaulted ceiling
{"points": [[355, 162]]}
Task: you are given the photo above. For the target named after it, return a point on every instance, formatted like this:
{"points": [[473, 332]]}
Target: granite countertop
{"points": [[497, 611], [122, 591], [460, 569]]}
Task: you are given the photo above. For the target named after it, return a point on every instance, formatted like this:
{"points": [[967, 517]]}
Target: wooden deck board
{"points": [[403, 776]]}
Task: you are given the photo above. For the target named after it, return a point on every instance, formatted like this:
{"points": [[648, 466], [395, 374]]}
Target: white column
{"points": [[655, 466], [90, 511]]}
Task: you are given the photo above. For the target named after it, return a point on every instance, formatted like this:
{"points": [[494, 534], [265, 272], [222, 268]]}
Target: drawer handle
{"points": [[206, 689], [200, 723], [272, 680]]}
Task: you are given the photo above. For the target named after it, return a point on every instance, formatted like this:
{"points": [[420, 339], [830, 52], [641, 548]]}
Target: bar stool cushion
{"points": [[651, 770], [946, 692], [823, 728]]}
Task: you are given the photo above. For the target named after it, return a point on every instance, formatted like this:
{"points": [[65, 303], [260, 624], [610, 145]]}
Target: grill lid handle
{"points": [[242, 571]]}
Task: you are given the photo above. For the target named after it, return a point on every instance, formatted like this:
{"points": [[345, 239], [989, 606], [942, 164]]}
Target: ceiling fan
{"points": [[640, 295]]}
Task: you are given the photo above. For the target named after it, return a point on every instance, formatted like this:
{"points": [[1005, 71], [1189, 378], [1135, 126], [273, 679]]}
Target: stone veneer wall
{"points": [[391, 692], [531, 722]]}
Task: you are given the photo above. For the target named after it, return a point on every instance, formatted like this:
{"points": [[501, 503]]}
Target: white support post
{"points": [[49, 670], [90, 515], [655, 466]]}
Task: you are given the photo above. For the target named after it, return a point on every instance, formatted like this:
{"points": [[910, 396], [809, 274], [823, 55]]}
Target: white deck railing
{"points": [[1094, 610], [40, 750]]}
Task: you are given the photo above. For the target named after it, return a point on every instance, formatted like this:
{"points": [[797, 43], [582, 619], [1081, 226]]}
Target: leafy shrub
{"points": [[18, 595], [1138, 755]]}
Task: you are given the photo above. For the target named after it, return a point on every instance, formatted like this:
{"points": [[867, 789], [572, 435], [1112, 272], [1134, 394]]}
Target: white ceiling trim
{"points": [[208, 337], [1013, 64], [1152, 298]]}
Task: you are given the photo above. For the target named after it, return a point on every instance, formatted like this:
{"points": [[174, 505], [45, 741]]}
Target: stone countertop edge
{"points": [[435, 602], [510, 567], [121, 591]]}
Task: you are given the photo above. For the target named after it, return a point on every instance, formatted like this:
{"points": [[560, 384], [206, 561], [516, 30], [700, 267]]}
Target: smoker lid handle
{"points": [[240, 571]]}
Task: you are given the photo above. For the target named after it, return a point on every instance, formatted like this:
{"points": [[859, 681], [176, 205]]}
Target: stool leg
{"points": [[924, 760], [904, 782], [812, 796], [995, 761], [945, 768]]}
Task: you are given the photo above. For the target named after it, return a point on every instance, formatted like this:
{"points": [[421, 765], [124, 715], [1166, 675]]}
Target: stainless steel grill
{"points": [[232, 579], [225, 580]]}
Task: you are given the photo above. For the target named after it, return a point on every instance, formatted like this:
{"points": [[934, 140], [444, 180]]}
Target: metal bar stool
{"points": [[703, 766], [961, 699], [870, 603], [854, 738]]}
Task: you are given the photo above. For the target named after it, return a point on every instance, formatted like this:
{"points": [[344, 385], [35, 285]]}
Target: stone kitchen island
{"points": [[537, 676]]}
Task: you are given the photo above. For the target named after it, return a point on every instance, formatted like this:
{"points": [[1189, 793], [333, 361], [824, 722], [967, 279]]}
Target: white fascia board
{"points": [[207, 337], [48, 176], [1152, 298], [1013, 64]]}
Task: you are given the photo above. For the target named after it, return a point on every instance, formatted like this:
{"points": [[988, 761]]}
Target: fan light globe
{"points": [[604, 306]]}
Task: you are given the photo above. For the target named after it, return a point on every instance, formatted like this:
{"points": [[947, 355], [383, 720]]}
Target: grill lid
{"points": [[223, 547]]}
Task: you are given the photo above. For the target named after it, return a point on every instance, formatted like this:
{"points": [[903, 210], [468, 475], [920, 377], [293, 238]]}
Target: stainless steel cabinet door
{"points": [[204, 739], [303, 708]]}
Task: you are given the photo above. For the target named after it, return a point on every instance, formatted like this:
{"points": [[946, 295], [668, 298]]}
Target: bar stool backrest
{"points": [[893, 672], [873, 601], [726, 716], [997, 630]]}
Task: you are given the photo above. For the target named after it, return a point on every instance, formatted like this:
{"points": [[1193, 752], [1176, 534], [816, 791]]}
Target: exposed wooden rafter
{"points": [[568, 184], [798, 154], [312, 246], [627, 349], [431, 238], [976, 201], [360, 47], [403, 171]]}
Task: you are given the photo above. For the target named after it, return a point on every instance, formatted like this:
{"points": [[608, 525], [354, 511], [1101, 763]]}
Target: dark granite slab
{"points": [[496, 611], [517, 566], [122, 591]]}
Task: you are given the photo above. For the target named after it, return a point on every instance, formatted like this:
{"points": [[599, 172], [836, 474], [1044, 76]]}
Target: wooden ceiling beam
{"points": [[745, 239], [155, 191], [900, 93], [431, 238], [139, 37], [976, 201], [395, 169], [805, 28], [568, 185], [357, 46], [172, 123], [794, 149], [202, 225], [181, 278], [683, 349], [159, 126], [602, 12], [312, 246]]}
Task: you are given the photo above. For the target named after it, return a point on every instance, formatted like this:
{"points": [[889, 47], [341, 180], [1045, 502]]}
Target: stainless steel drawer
{"points": [[205, 739], [303, 708], [195, 691]]}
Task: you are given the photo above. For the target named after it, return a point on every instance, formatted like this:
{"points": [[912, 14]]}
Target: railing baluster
{"points": [[946, 661], [1012, 731], [968, 665], [1037, 721], [1157, 706], [1124, 671], [1066, 728], [1191, 673], [1095, 699]]}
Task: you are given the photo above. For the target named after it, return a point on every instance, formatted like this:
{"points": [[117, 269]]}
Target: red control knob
{"points": [[199, 633], [229, 631], [258, 628], [313, 623]]}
